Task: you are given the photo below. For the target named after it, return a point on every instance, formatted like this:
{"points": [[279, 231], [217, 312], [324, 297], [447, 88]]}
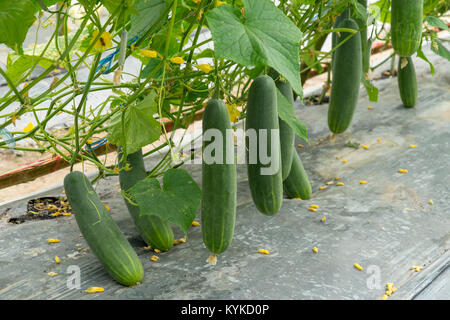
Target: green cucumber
{"points": [[266, 184], [347, 68], [365, 48], [407, 82], [335, 35], [297, 183], [154, 231], [406, 26], [219, 182], [287, 135], [100, 231]]}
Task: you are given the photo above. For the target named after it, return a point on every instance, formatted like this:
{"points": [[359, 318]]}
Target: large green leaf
{"points": [[140, 127], [436, 22], [286, 114], [16, 17], [422, 56], [264, 36], [177, 202], [148, 12]]}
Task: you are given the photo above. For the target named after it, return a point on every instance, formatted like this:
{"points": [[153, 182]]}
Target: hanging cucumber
{"points": [[218, 180], [347, 68], [406, 26], [100, 231], [287, 136], [262, 128], [153, 230], [407, 82], [335, 35], [365, 48], [297, 183]]}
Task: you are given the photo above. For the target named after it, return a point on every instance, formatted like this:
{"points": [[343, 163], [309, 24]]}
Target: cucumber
{"points": [[266, 184], [365, 48], [297, 183], [347, 68], [335, 35], [154, 231], [407, 82], [406, 26], [100, 231], [219, 183], [287, 135]]}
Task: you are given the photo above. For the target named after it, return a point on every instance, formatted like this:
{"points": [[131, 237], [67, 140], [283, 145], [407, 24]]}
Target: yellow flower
{"points": [[206, 68], [177, 60], [233, 112], [28, 128], [149, 53], [95, 290], [219, 3], [197, 1], [104, 42]]}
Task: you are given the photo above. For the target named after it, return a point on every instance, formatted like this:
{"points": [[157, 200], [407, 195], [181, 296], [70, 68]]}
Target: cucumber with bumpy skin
{"points": [[407, 82], [297, 183], [347, 68], [218, 182], [287, 135], [100, 231], [264, 177], [406, 26], [153, 230]]}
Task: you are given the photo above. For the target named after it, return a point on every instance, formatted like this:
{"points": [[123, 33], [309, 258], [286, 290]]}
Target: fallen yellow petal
{"points": [[154, 258], [323, 219], [195, 223], [413, 146], [430, 202], [53, 240], [315, 250], [263, 251], [52, 274], [344, 161], [357, 266], [379, 139], [212, 259], [67, 214], [365, 147], [322, 187], [300, 145], [385, 297], [312, 209], [402, 171], [337, 178], [94, 290], [157, 250], [363, 182], [369, 108], [315, 206], [330, 182], [57, 259], [339, 184]]}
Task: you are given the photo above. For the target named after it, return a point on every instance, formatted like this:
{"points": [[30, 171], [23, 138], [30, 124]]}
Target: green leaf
{"points": [[16, 17], [155, 67], [140, 127], [148, 12], [435, 22], [286, 114], [421, 55], [265, 36], [177, 202], [438, 48]]}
